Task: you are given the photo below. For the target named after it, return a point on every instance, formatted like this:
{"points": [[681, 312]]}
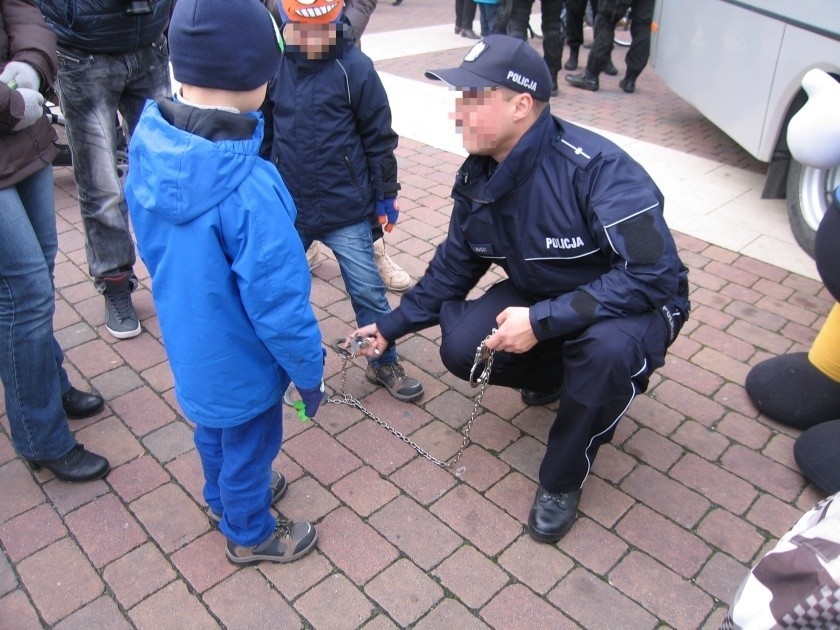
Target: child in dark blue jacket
{"points": [[334, 146], [215, 227]]}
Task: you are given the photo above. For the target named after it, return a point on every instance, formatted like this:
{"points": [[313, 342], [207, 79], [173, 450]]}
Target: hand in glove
{"points": [[33, 108], [312, 399], [18, 74], [388, 212]]}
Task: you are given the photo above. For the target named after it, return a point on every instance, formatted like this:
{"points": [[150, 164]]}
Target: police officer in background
{"points": [[553, 31], [596, 291]]}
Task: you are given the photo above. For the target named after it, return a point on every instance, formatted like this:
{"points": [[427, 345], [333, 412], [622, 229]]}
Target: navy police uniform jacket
{"points": [[332, 137], [576, 224]]}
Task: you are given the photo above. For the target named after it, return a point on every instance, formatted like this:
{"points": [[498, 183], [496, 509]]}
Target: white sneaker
{"points": [[313, 255], [395, 277]]}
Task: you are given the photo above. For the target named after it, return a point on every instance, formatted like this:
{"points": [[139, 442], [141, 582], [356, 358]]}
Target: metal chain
{"points": [[483, 356]]}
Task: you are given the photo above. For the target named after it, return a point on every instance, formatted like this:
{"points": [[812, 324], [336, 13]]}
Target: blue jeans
{"points": [[487, 17], [30, 358], [92, 88], [237, 470], [353, 248]]}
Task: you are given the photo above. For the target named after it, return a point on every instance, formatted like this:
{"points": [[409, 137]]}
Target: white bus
{"points": [[740, 63]]}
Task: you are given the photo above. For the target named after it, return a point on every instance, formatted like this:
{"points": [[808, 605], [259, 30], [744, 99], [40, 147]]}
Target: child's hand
{"points": [[388, 212], [312, 399]]}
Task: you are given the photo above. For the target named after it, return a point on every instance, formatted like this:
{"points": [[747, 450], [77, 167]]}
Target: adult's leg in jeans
{"points": [[148, 78], [28, 365], [237, 469], [353, 250], [90, 87], [639, 51]]}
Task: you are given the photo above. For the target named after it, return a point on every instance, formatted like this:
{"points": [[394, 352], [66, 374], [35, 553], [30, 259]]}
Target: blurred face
{"points": [[487, 119], [315, 41]]}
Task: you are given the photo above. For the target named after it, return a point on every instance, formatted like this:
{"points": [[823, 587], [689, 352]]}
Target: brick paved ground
{"points": [[694, 488]]}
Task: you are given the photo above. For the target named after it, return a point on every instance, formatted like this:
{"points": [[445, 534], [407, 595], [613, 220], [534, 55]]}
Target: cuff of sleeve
{"points": [[392, 326]]}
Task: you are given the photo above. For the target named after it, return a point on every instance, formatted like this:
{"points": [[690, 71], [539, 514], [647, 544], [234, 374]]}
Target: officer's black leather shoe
{"points": [[81, 405], [552, 515], [628, 85], [610, 69], [584, 80], [75, 466], [532, 397]]}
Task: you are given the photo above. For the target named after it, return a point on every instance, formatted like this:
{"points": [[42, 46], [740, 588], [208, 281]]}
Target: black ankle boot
{"points": [[585, 80], [75, 466], [610, 69], [552, 514], [572, 63], [78, 404], [628, 84]]}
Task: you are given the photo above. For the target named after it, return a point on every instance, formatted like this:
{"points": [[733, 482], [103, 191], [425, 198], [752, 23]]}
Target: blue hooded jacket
{"points": [[215, 228]]}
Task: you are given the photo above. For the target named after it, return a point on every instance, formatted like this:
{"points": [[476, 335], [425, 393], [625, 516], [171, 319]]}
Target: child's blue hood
{"points": [[179, 175]]}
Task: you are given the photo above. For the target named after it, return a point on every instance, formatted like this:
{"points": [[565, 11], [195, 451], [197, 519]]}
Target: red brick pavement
{"points": [[695, 487]]}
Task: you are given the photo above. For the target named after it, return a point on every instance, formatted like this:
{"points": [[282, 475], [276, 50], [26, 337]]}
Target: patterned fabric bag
{"points": [[795, 585]]}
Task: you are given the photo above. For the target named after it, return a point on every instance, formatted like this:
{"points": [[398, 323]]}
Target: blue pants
{"points": [[353, 248], [599, 370], [237, 470], [30, 358], [92, 88]]}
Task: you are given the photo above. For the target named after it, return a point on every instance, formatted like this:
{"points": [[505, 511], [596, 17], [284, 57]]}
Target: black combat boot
{"points": [[585, 80]]}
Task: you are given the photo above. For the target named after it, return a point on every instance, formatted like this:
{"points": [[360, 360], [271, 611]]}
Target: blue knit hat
{"points": [[223, 44]]}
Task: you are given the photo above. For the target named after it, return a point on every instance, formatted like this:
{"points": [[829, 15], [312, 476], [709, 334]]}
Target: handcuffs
{"points": [[483, 356]]}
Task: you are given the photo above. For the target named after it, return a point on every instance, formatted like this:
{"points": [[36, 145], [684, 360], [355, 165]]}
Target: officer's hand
{"points": [[18, 74], [312, 399], [33, 108], [377, 344], [388, 212], [514, 333]]}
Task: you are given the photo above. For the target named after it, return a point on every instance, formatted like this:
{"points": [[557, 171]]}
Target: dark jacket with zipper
{"points": [[102, 26], [24, 37], [331, 138], [575, 223]]}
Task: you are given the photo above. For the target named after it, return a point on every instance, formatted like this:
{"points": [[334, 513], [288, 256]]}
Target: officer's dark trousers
{"points": [[551, 29], [641, 13], [600, 369]]}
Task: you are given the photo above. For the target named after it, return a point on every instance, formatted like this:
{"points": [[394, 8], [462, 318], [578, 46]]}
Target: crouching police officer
{"points": [[596, 291]]}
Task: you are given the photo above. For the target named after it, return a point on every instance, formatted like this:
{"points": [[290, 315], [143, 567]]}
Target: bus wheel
{"points": [[809, 192]]}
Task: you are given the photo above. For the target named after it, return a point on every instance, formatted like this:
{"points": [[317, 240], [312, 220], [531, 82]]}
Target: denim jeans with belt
{"points": [[92, 88], [30, 358], [353, 248]]}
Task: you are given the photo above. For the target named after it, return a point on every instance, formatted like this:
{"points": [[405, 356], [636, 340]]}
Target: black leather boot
{"points": [[533, 397], [572, 63], [628, 84], [75, 466], [552, 514], [584, 81], [610, 68], [78, 404]]}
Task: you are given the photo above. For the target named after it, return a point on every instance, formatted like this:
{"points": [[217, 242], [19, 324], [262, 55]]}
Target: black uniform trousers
{"points": [[641, 14], [600, 370], [552, 30], [575, 10]]}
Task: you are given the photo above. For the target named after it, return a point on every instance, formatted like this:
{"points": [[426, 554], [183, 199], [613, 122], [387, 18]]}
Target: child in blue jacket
{"points": [[334, 146], [215, 227]]}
